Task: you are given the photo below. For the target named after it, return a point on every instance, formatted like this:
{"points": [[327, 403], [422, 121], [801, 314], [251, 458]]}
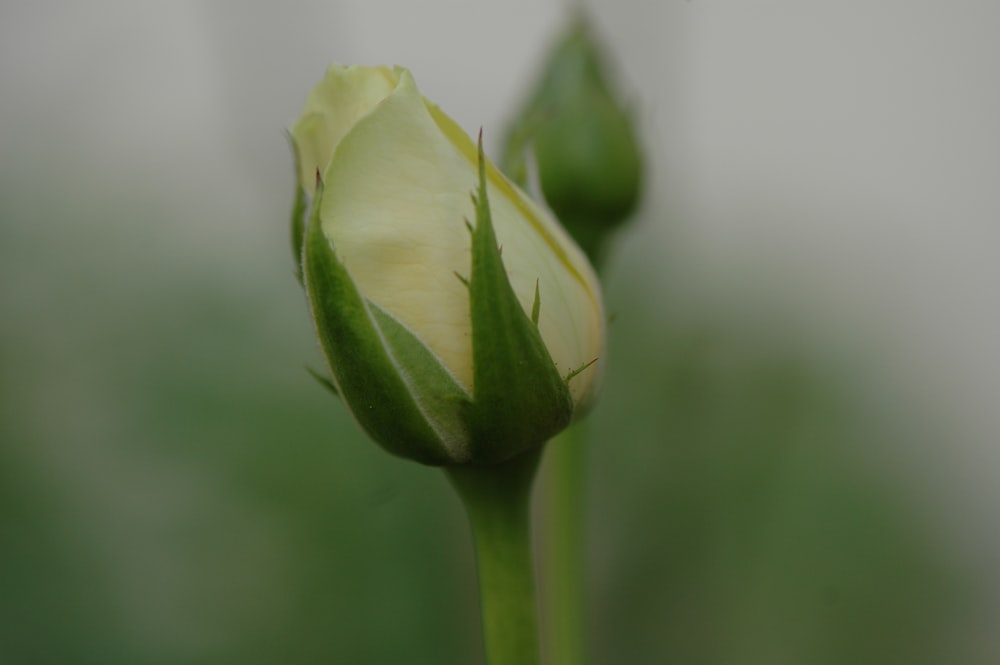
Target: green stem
{"points": [[563, 606], [498, 502]]}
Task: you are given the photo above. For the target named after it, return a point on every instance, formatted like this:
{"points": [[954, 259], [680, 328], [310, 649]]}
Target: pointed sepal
{"points": [[519, 398]]}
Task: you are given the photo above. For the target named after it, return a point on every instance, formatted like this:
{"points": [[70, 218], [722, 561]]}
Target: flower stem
{"points": [[563, 594], [498, 502]]}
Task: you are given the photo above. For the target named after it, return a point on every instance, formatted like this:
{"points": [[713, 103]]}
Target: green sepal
{"points": [[300, 211], [383, 394], [519, 398]]}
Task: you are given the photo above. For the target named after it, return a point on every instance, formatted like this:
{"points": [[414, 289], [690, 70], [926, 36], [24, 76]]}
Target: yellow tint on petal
{"points": [[497, 180]]}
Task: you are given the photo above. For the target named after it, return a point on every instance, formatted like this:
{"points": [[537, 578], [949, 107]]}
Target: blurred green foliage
{"points": [[741, 518], [174, 488]]}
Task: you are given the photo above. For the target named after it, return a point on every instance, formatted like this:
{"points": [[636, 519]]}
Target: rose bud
{"points": [[459, 322]]}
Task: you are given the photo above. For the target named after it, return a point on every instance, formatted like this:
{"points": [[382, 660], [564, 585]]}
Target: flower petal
{"points": [[395, 207], [345, 95]]}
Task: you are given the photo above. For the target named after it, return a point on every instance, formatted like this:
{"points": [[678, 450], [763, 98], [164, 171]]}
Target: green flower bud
{"points": [[445, 351], [584, 143]]}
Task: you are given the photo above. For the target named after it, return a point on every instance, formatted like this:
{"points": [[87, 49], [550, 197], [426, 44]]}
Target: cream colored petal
{"points": [[344, 96], [396, 201]]}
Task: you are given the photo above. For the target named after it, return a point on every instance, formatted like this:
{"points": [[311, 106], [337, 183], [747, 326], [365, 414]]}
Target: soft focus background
{"points": [[796, 458]]}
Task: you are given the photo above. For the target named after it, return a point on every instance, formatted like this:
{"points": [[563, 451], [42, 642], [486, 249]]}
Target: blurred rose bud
{"points": [[458, 320], [583, 140]]}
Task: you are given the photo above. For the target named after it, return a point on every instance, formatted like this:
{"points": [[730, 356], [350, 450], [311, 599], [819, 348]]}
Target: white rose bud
{"points": [[458, 329]]}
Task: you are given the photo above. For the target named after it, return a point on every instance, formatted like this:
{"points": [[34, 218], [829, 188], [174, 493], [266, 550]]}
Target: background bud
{"points": [[584, 143]]}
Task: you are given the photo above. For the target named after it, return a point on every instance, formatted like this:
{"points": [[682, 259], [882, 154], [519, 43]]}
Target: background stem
{"points": [[562, 567], [498, 502], [564, 485]]}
